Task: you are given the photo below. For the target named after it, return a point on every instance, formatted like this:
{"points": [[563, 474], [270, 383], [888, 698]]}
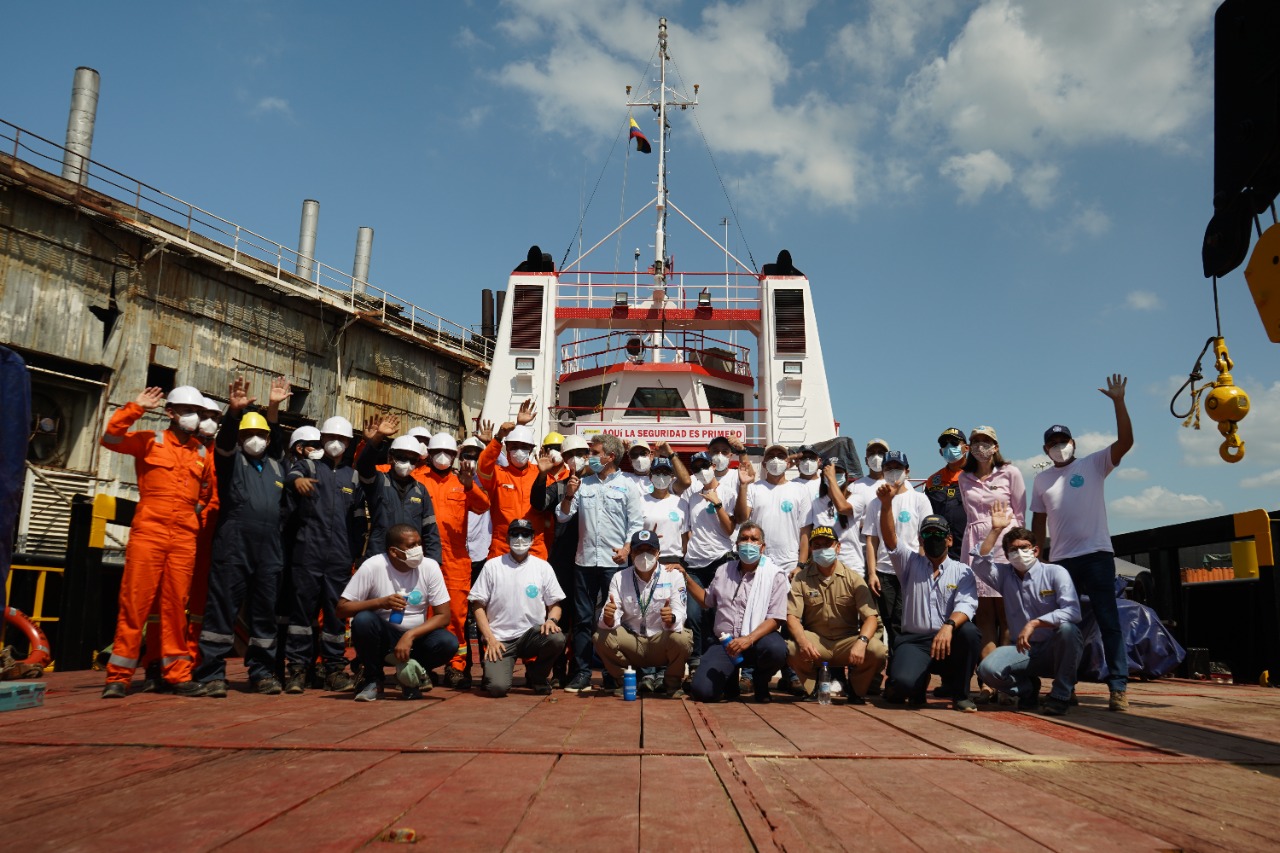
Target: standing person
{"points": [[397, 494], [509, 486], [842, 508], [479, 534], [517, 605], [709, 507], [248, 554], [610, 511], [986, 479], [174, 476], [909, 507], [721, 449], [641, 457], [326, 491], [454, 496], [809, 468], [401, 580], [1068, 503], [876, 449], [780, 506], [943, 487], [665, 513]]}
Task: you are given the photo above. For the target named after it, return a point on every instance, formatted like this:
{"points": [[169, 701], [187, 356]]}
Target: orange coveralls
{"points": [[174, 481], [452, 502], [508, 489]]}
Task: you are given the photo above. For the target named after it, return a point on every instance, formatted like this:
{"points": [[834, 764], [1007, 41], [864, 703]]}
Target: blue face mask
{"points": [[952, 452], [824, 556], [748, 552], [595, 464]]}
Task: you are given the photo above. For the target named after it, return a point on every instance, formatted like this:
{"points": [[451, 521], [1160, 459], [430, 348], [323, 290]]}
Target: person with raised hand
{"points": [[509, 486]]}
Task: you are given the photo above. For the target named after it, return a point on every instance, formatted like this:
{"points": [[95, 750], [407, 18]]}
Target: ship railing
{"points": [[632, 422], [737, 291], [647, 346], [246, 249]]}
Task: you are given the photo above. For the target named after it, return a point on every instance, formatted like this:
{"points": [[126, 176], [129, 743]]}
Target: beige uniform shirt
{"points": [[833, 607]]}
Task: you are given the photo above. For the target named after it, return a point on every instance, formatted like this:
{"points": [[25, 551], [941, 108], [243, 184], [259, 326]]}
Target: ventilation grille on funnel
{"points": [[788, 320], [526, 317]]}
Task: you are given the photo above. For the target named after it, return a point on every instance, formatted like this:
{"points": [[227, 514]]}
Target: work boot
{"points": [[1119, 701], [153, 683], [457, 679], [190, 689], [268, 686], [297, 680], [216, 689], [339, 682], [114, 690]]}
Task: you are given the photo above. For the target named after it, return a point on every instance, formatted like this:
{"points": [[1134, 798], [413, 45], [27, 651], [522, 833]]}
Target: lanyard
{"points": [[644, 605]]}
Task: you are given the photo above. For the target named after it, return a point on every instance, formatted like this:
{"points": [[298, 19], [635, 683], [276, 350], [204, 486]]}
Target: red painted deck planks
{"points": [[684, 806], [42, 778], [743, 730], [606, 722], [586, 800], [667, 726]]}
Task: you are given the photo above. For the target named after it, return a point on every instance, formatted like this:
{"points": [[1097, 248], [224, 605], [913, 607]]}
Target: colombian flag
{"points": [[642, 144]]}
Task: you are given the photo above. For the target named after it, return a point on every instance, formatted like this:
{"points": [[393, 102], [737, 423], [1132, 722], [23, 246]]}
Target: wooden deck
{"points": [[1193, 766]]}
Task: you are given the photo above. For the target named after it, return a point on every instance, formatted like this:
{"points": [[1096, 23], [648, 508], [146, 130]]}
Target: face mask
{"points": [[576, 463], [402, 467], [935, 546], [641, 464], [595, 463], [748, 552], [875, 461], [335, 448], [824, 556], [646, 562], [776, 467], [720, 461], [983, 451], [518, 458], [894, 476], [520, 546], [661, 482], [808, 467], [1022, 558], [315, 454], [705, 476], [952, 452], [189, 422], [1063, 452], [254, 445], [412, 556], [841, 479], [442, 460], [556, 458], [208, 426]]}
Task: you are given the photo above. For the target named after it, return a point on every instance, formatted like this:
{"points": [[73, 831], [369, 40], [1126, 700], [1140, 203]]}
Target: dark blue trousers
{"points": [[717, 676]]}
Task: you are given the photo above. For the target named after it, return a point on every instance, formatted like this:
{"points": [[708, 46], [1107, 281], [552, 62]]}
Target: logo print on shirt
{"points": [[673, 515], [787, 506], [904, 516], [1077, 481], [531, 590], [711, 510]]}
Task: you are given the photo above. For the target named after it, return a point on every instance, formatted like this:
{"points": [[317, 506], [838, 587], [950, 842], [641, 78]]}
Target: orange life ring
{"points": [[39, 655]]}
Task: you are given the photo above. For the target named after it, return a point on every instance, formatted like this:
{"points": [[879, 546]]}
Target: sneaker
{"points": [[1055, 707], [339, 682], [409, 694], [189, 688], [965, 705], [1074, 700], [269, 686], [892, 696], [648, 684], [216, 689], [368, 693], [457, 679], [1028, 701], [795, 686], [297, 682], [114, 690], [580, 683], [674, 694], [1119, 701], [745, 685]]}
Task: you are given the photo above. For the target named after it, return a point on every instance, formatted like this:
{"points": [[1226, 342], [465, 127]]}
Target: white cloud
{"points": [[1038, 183], [977, 174], [1130, 474], [890, 32], [272, 104], [1262, 481], [468, 39], [1157, 502], [1142, 300], [1089, 220]]}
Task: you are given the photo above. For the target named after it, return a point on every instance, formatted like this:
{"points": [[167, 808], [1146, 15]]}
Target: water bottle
{"points": [[397, 616], [629, 684], [824, 685], [725, 639]]}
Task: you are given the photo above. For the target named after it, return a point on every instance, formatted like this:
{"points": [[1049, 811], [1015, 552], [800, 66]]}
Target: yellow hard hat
{"points": [[253, 420], [553, 438]]}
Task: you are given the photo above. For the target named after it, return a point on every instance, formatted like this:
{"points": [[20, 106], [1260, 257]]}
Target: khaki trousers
{"points": [[619, 648], [838, 653]]}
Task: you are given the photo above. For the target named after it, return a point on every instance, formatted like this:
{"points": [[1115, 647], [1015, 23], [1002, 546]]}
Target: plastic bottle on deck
{"points": [[824, 685], [629, 684]]}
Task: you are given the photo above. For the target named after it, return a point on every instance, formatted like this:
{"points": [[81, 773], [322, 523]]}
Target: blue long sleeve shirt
{"points": [[929, 601], [1045, 593], [609, 511]]}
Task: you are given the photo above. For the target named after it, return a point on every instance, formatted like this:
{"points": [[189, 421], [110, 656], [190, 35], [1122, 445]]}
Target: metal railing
{"points": [[683, 347], [246, 249], [734, 291]]}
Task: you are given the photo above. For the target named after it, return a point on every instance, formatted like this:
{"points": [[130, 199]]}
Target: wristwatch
{"points": [[864, 638], [950, 622], [557, 621]]}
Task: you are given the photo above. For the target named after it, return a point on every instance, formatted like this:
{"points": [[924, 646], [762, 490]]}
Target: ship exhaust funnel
{"points": [[487, 329], [80, 120], [364, 254], [501, 297], [307, 238]]}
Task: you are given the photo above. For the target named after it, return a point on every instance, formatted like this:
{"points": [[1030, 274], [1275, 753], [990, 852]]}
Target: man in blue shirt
{"points": [[1043, 613], [939, 598], [610, 511]]}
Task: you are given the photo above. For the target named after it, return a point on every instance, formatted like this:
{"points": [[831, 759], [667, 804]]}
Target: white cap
{"points": [[419, 432], [443, 441], [473, 442], [337, 426], [639, 442], [304, 433], [522, 435], [409, 443], [573, 442], [212, 406], [185, 395]]}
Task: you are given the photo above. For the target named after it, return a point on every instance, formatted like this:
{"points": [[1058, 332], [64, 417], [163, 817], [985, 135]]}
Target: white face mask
{"points": [[575, 463], [402, 467], [776, 467], [521, 546], [661, 482], [189, 422], [641, 464], [646, 562], [705, 476], [442, 460], [315, 455], [808, 467], [254, 445], [894, 476], [1063, 452], [720, 461], [208, 426], [412, 557], [983, 451], [518, 458], [556, 458], [875, 461], [335, 448], [1022, 558]]}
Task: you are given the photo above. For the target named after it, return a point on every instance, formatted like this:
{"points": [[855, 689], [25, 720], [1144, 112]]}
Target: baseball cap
{"points": [[878, 441], [639, 442], [781, 447], [989, 432], [1056, 429], [822, 531], [806, 448], [935, 522], [896, 456], [719, 438], [953, 432], [644, 538], [700, 460], [521, 526], [661, 463]]}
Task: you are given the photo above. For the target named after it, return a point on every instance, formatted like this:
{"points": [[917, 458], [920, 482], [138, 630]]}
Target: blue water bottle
{"points": [[397, 616], [725, 639], [629, 684]]}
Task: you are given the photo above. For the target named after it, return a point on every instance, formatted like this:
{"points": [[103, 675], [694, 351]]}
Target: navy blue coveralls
{"points": [[394, 501]]}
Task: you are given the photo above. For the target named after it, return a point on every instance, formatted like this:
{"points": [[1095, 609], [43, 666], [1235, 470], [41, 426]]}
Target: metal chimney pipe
{"points": [[486, 313], [307, 238], [364, 252], [501, 298], [84, 110]]}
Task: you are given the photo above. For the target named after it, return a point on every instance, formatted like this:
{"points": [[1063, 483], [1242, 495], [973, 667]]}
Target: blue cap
{"points": [[646, 538], [896, 456], [701, 456], [661, 463], [1055, 430]]}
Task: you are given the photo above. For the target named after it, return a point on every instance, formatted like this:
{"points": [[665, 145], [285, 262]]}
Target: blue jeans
{"points": [[912, 661], [589, 590], [1095, 576], [717, 676], [698, 617], [375, 638], [1011, 671]]}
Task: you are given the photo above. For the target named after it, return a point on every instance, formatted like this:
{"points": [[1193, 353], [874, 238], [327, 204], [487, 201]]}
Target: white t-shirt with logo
{"points": [[852, 549], [909, 509], [780, 510], [707, 539], [515, 596], [640, 481], [479, 535], [668, 517], [376, 577], [1072, 499]]}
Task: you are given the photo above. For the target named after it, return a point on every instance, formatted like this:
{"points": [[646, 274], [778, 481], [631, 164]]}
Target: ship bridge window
{"points": [[593, 398], [725, 403], [656, 403]]}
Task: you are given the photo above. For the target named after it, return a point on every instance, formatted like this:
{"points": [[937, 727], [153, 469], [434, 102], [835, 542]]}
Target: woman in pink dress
{"points": [[988, 479]]}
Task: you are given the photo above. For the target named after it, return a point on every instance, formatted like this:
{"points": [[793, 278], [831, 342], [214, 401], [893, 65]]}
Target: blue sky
{"points": [[997, 202]]}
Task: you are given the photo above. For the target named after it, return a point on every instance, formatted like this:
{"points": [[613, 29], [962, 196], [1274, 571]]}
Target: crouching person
{"points": [[642, 623], [1043, 612], [386, 601], [833, 618], [517, 604]]}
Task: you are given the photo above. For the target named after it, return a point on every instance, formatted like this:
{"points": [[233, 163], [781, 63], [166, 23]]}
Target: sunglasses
{"points": [[933, 534]]}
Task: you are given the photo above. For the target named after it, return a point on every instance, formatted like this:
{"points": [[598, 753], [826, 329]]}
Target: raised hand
{"points": [[238, 397], [504, 430], [746, 471], [485, 433], [736, 444], [389, 425], [370, 430], [610, 609], [545, 462], [281, 390], [885, 494], [571, 485], [149, 398], [465, 475], [1115, 387], [1001, 515], [528, 412]]}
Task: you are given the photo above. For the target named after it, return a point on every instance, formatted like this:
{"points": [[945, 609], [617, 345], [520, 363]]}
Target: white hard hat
{"points": [[522, 435], [407, 442], [473, 442], [212, 405], [443, 441], [185, 395], [337, 426], [419, 432], [304, 433], [573, 442]]}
